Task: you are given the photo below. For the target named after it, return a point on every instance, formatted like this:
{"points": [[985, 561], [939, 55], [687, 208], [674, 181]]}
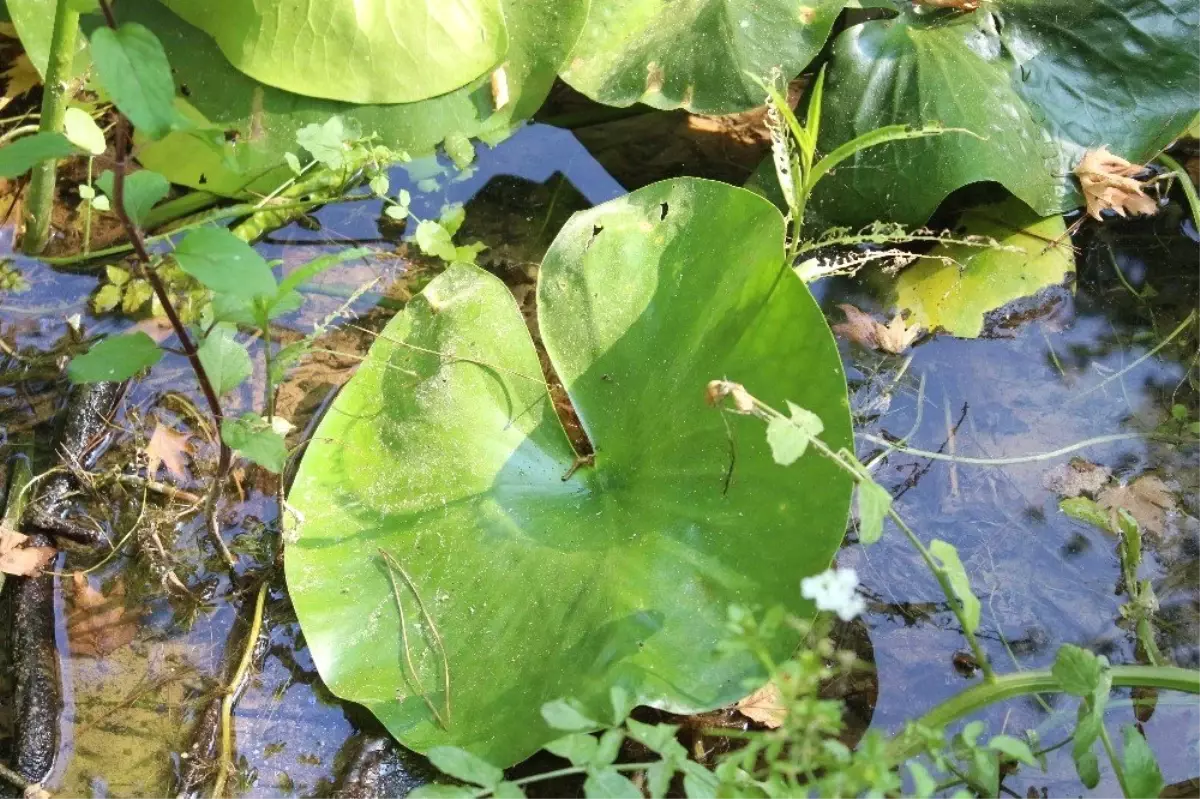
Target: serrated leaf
{"points": [[952, 567], [1077, 670], [27, 152], [789, 438], [82, 131], [326, 142], [609, 784], [107, 298], [462, 765], [133, 69], [435, 240], [1142, 774], [115, 358], [874, 502], [254, 439], [225, 360], [225, 263], [579, 748], [116, 275], [137, 293], [1014, 748], [561, 715]]}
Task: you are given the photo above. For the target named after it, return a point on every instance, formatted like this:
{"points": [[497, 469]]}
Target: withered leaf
{"points": [[166, 448], [764, 706], [19, 78], [1076, 478], [1108, 182], [861, 327], [98, 624], [1147, 499], [17, 558]]}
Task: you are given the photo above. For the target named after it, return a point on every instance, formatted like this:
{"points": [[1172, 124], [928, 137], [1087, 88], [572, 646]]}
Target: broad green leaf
{"points": [[706, 55], [579, 748], [115, 358], [133, 69], [1142, 775], [951, 566], [1014, 748], [956, 286], [563, 715], [1085, 510], [225, 360], [462, 765], [609, 784], [789, 437], [143, 190], [82, 131], [225, 263], [435, 240], [1077, 670], [34, 22], [874, 502], [367, 51], [27, 152], [626, 568], [1040, 81], [253, 438], [265, 119]]}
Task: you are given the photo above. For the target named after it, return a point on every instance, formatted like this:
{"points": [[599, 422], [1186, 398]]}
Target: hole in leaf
{"points": [[662, 211]]}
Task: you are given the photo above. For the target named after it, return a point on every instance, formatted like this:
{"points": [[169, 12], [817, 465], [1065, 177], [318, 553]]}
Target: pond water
{"points": [[138, 671]]}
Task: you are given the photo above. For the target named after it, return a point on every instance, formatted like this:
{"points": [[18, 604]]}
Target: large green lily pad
{"points": [[956, 295], [263, 120], [1040, 80], [702, 55], [544, 582], [358, 51]]}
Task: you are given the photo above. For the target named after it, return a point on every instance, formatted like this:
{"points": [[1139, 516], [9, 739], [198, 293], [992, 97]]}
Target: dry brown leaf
{"points": [[167, 448], [20, 77], [1108, 183], [1076, 478], [764, 706], [98, 624], [860, 327], [1147, 499], [18, 559]]}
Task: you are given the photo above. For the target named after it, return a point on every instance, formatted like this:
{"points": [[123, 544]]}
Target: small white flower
{"points": [[834, 589]]}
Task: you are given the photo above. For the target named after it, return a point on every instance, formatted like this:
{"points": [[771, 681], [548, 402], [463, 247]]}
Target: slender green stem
{"points": [[1040, 456], [569, 771], [1023, 683], [1116, 761], [1185, 180], [54, 107]]}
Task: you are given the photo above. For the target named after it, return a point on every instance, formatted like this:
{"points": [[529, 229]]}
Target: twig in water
{"points": [[393, 567], [31, 790], [951, 446], [1041, 456], [225, 763]]}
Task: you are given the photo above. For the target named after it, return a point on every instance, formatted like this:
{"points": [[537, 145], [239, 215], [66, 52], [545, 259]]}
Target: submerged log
{"points": [[37, 694]]}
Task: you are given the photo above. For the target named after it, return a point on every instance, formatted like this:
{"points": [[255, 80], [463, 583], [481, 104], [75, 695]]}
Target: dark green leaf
{"points": [[609, 784], [115, 358], [28, 151], [462, 765], [254, 439], [143, 190], [1087, 766], [1142, 775], [225, 361], [1077, 670], [225, 263], [134, 71]]}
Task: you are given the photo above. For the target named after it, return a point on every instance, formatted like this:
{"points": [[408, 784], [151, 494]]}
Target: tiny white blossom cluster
{"points": [[833, 589]]}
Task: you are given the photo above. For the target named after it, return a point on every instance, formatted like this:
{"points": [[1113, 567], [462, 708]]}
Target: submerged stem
{"points": [[225, 764]]}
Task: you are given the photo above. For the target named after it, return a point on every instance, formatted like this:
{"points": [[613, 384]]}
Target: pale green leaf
{"points": [[461, 764], [874, 502], [609, 784], [952, 567], [82, 131], [562, 715], [790, 437], [1077, 670], [254, 439], [115, 358], [579, 748]]}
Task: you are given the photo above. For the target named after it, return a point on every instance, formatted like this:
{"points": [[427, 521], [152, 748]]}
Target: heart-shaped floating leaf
{"points": [[263, 121], [536, 579], [1041, 82], [359, 51], [703, 56]]}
